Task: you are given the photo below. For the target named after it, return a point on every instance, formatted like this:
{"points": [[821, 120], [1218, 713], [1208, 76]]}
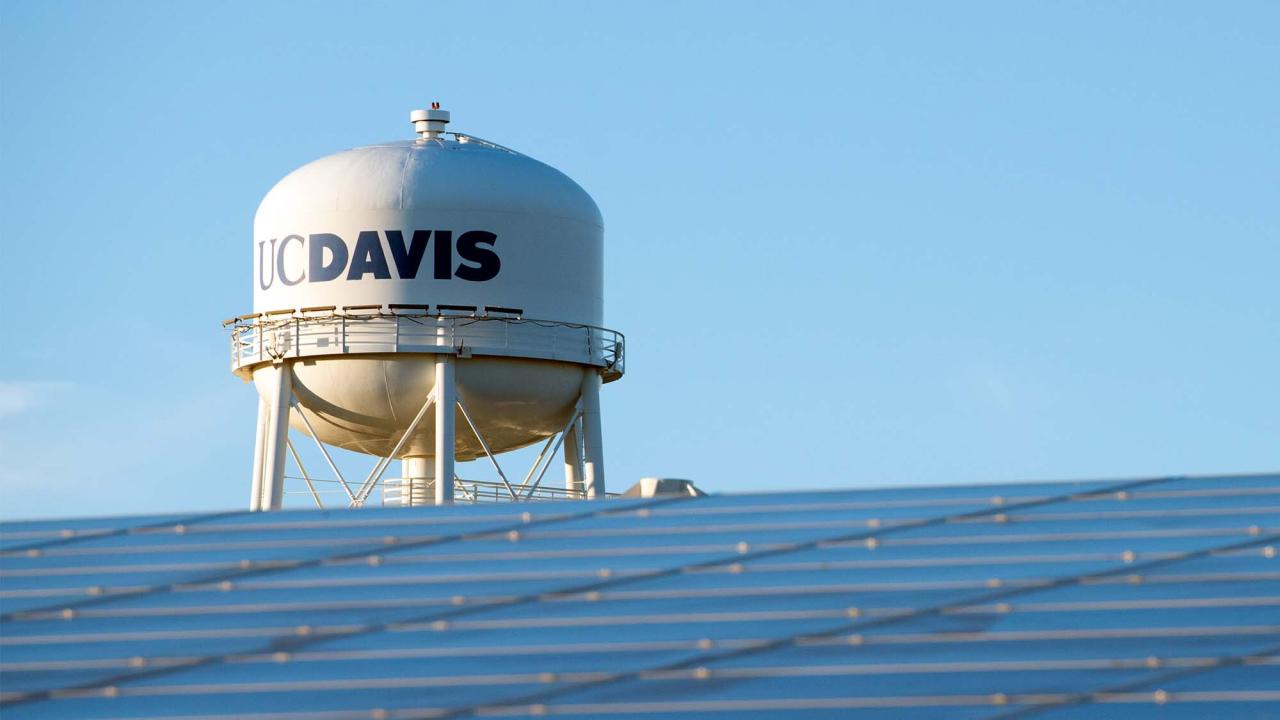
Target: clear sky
{"points": [[851, 244]]}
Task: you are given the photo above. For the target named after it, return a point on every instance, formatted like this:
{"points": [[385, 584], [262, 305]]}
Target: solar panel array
{"points": [[1135, 599]]}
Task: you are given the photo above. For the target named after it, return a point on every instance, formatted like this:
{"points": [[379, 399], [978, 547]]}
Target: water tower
{"points": [[430, 300]]}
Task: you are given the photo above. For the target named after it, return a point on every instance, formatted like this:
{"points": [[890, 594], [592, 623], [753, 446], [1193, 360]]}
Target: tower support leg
{"points": [[592, 437], [573, 461], [259, 451], [278, 401], [446, 399]]}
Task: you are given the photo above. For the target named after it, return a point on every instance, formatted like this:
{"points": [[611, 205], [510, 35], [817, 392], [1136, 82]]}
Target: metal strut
{"points": [[376, 474], [487, 451], [305, 477], [343, 481], [573, 418]]}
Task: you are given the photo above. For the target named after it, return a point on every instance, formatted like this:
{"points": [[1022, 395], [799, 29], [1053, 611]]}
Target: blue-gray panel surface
{"points": [[1156, 597]]}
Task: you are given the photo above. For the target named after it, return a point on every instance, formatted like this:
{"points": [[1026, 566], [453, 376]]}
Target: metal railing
{"points": [[270, 337], [477, 491]]}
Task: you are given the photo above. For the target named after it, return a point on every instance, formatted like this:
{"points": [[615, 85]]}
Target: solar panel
{"points": [[1156, 597]]}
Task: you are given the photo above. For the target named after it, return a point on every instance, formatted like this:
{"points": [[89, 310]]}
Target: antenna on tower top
{"points": [[429, 123]]}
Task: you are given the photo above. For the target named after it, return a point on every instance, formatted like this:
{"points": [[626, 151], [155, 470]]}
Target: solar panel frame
{"points": [[1033, 595]]}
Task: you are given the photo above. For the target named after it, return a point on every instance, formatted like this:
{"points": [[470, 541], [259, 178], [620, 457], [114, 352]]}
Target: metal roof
{"points": [[1145, 598]]}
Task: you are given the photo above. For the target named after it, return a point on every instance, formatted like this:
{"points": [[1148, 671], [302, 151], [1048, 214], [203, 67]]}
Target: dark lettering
{"points": [[319, 270], [368, 258], [408, 259], [486, 260], [444, 254]]}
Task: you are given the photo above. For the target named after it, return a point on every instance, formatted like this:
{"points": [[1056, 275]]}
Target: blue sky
{"points": [[850, 244]]}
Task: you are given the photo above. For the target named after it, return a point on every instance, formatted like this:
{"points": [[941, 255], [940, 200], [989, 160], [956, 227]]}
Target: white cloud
{"points": [[17, 397]]}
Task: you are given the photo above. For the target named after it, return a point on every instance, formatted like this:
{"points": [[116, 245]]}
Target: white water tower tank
{"points": [[442, 271]]}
